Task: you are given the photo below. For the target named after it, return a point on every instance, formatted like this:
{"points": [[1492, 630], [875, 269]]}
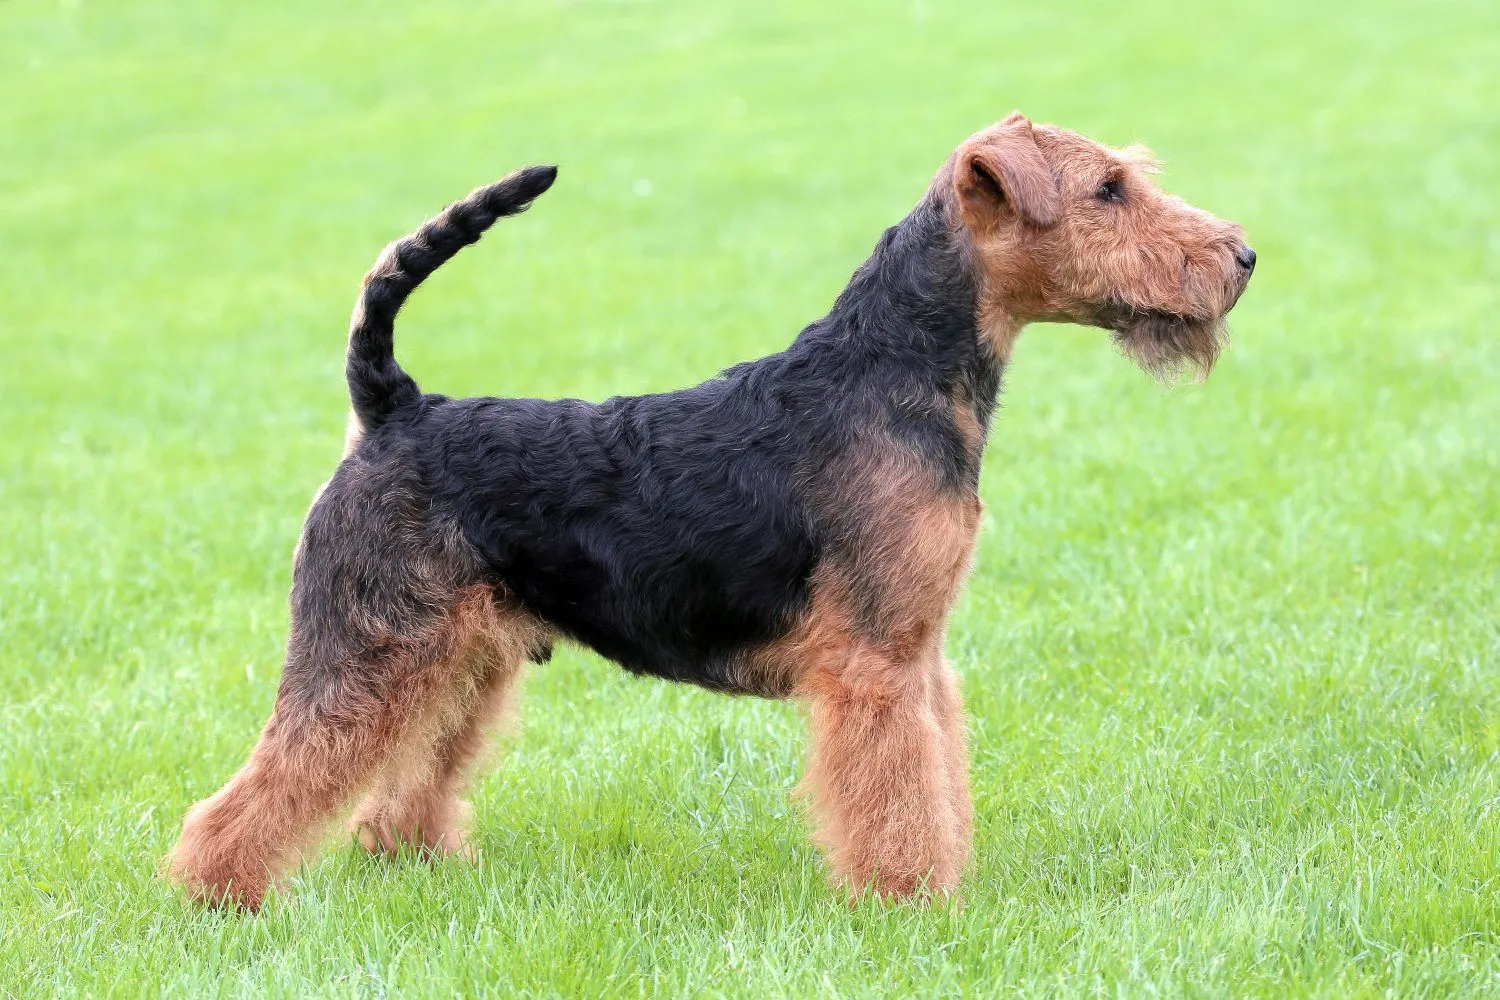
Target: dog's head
{"points": [[1064, 229]]}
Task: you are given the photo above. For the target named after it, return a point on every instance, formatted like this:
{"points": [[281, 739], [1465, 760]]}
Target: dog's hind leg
{"points": [[416, 798], [338, 720]]}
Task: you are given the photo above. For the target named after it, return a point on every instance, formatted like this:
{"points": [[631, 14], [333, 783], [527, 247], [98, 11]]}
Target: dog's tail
{"points": [[377, 385]]}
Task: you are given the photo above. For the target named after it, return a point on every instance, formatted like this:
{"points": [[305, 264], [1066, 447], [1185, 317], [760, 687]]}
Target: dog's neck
{"points": [[909, 323]]}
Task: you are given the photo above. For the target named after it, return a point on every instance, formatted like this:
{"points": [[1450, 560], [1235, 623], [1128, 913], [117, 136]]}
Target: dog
{"points": [[799, 526]]}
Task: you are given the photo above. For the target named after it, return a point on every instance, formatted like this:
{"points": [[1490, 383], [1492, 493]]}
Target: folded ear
{"points": [[1002, 169]]}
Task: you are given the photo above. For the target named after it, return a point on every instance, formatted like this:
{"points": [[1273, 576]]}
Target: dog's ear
{"points": [[1002, 169]]}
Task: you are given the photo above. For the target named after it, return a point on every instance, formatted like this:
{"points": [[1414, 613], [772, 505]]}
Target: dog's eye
{"points": [[1111, 191]]}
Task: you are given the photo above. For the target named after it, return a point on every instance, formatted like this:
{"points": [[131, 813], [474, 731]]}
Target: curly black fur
{"points": [[668, 532]]}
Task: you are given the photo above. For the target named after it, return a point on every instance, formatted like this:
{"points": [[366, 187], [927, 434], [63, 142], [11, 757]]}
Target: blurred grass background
{"points": [[1230, 650]]}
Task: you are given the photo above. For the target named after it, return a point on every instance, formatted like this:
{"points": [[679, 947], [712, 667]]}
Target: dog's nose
{"points": [[1246, 258]]}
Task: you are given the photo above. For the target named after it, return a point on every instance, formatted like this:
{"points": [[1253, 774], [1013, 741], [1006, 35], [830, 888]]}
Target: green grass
{"points": [[1231, 651]]}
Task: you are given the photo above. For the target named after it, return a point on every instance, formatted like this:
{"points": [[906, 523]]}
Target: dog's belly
{"points": [[683, 611], [672, 629]]}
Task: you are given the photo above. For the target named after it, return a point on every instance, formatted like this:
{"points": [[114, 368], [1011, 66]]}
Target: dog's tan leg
{"points": [[335, 726], [416, 800], [880, 775], [948, 707]]}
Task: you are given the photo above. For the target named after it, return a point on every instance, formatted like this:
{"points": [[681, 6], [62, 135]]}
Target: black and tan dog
{"points": [[799, 526]]}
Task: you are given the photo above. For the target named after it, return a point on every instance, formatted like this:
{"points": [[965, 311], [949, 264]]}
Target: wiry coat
{"points": [[674, 533], [800, 525]]}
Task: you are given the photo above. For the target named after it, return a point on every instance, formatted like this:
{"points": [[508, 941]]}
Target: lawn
{"points": [[1231, 650]]}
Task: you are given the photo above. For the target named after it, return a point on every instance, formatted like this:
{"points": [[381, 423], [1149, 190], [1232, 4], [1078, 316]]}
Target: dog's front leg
{"points": [[888, 772]]}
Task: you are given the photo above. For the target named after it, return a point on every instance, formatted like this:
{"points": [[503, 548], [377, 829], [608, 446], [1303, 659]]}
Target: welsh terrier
{"points": [[799, 526]]}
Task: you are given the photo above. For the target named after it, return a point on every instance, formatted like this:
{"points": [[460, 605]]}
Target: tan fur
{"points": [[879, 775], [415, 801], [895, 589], [306, 767], [354, 432], [948, 707], [1153, 253], [966, 419], [888, 774]]}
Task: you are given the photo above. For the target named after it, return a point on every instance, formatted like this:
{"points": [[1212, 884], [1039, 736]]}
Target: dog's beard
{"points": [[1166, 345]]}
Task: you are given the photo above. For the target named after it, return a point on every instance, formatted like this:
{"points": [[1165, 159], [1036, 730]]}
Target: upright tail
{"points": [[377, 385]]}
